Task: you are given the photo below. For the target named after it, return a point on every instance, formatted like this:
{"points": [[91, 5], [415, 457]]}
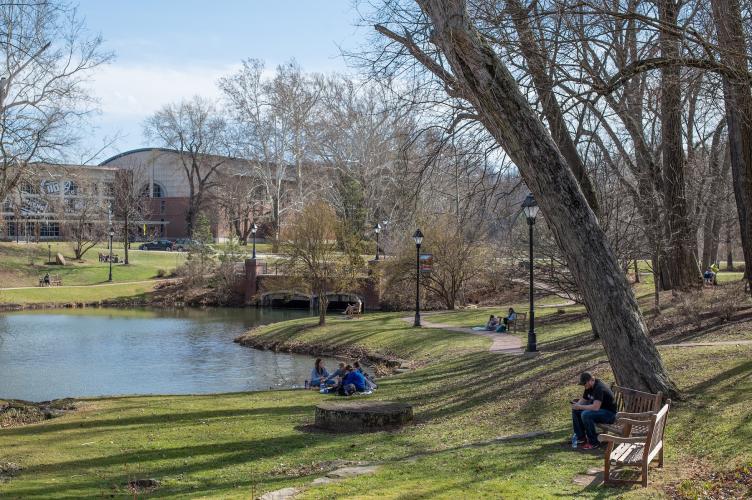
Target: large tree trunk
{"points": [[126, 236], [682, 264], [544, 86], [736, 93], [711, 229], [492, 90]]}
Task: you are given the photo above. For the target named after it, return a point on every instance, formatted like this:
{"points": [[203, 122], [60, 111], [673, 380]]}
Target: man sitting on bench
{"points": [[596, 406]]}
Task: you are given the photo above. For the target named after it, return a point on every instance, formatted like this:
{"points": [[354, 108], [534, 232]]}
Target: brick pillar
{"points": [[251, 273]]}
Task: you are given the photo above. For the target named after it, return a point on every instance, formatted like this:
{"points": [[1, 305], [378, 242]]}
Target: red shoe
{"points": [[588, 446]]}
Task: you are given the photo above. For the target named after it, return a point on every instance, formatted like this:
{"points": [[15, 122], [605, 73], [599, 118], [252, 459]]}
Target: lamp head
{"points": [[418, 237], [377, 228], [530, 207], [254, 228]]}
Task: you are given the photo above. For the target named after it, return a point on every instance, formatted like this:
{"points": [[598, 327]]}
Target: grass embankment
{"points": [[236, 445], [21, 265]]}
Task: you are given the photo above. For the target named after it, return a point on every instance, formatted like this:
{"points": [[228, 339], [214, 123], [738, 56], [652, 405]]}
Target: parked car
{"points": [[185, 244], [164, 245]]}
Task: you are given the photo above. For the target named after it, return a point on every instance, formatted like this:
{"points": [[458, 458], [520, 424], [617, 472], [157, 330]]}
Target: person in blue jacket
{"points": [[353, 381], [319, 374]]}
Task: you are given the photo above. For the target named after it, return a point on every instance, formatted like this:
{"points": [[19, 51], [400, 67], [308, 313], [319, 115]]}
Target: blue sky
{"points": [[167, 50]]}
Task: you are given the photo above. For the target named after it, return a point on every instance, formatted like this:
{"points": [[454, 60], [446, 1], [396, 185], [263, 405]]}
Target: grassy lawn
{"points": [[239, 445], [23, 264], [79, 294]]}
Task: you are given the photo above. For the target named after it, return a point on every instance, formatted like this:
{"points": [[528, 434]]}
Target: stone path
{"points": [[502, 343], [115, 283], [330, 477]]}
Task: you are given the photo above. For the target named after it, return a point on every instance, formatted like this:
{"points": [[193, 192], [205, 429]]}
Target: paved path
{"points": [[115, 283], [501, 343]]}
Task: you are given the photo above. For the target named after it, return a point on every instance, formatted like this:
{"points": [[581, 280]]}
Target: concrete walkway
{"points": [[501, 343], [114, 283]]}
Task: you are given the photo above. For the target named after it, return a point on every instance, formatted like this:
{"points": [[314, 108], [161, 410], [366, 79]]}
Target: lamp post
{"points": [[254, 228], [377, 230], [49, 253], [112, 235], [530, 207], [418, 237]]}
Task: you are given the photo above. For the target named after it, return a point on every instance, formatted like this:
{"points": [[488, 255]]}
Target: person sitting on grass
{"points": [[493, 322], [369, 380], [597, 406], [319, 374], [336, 377], [353, 382]]}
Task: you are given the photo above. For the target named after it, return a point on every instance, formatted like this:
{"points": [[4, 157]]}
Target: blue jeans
{"points": [[584, 422]]}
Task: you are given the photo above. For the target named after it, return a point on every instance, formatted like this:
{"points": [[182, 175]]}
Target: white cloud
{"points": [[134, 92]]}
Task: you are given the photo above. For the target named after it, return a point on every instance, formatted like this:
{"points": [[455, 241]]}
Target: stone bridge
{"points": [[262, 286]]}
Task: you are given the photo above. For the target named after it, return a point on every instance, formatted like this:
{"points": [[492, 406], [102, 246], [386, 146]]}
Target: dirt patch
{"points": [[715, 485], [137, 486], [15, 413], [299, 470], [8, 470]]}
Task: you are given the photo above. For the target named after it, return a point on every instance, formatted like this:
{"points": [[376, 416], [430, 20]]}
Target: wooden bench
{"points": [[521, 321], [55, 280], [632, 401], [635, 451]]}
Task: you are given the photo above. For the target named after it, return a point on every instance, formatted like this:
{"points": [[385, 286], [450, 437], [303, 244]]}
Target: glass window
{"points": [[49, 230]]}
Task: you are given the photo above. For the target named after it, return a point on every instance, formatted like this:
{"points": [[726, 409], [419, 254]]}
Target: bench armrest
{"points": [[631, 421], [617, 439]]}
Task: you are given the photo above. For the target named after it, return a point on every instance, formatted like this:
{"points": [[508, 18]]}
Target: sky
{"points": [[168, 50]]}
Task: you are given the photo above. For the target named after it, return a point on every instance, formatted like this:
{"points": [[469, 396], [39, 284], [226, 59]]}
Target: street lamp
{"points": [[254, 228], [530, 207], [418, 237], [112, 235], [377, 230]]}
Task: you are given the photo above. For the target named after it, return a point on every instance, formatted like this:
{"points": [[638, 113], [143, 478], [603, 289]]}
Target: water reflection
{"points": [[45, 355]]}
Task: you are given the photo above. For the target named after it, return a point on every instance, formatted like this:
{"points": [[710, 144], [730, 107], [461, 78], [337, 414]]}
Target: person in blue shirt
{"points": [[369, 379], [336, 377], [353, 381], [319, 374]]}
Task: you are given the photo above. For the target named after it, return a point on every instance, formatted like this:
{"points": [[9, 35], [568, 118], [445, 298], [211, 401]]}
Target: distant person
{"points": [[493, 322], [511, 316], [597, 406], [319, 374], [46, 279], [353, 382], [708, 276]]}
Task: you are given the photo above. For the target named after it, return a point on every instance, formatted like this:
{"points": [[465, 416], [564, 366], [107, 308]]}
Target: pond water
{"points": [[94, 352]]}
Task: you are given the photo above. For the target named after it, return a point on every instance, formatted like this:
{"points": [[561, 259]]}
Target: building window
{"points": [[71, 188], [109, 189], [50, 230], [162, 206], [28, 188], [157, 190]]}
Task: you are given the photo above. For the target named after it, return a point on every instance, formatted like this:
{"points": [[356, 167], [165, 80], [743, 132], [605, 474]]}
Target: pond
{"points": [[95, 352]]}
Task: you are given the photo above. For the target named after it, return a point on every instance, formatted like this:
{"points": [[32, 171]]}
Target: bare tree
{"points": [[195, 131], [46, 55], [312, 258], [130, 201], [469, 68]]}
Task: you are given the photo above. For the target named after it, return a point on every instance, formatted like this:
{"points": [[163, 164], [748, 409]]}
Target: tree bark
{"points": [[738, 99], [505, 112], [682, 264]]}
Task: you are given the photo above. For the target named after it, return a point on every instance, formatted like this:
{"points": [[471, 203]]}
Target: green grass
{"points": [[21, 265], [50, 295], [239, 445]]}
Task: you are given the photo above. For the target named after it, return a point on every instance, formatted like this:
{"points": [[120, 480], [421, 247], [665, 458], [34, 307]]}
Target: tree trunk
{"points": [[738, 99], [323, 304], [636, 272], [126, 236], [537, 66], [682, 264], [505, 112], [711, 229]]}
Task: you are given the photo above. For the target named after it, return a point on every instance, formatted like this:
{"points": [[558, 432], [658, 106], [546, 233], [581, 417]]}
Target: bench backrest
{"points": [[634, 401], [656, 430]]}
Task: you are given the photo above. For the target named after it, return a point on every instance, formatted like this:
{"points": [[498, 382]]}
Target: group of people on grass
{"points": [[500, 324], [346, 380]]}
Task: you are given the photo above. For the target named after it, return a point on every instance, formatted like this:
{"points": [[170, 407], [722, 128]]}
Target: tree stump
{"points": [[362, 416]]}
